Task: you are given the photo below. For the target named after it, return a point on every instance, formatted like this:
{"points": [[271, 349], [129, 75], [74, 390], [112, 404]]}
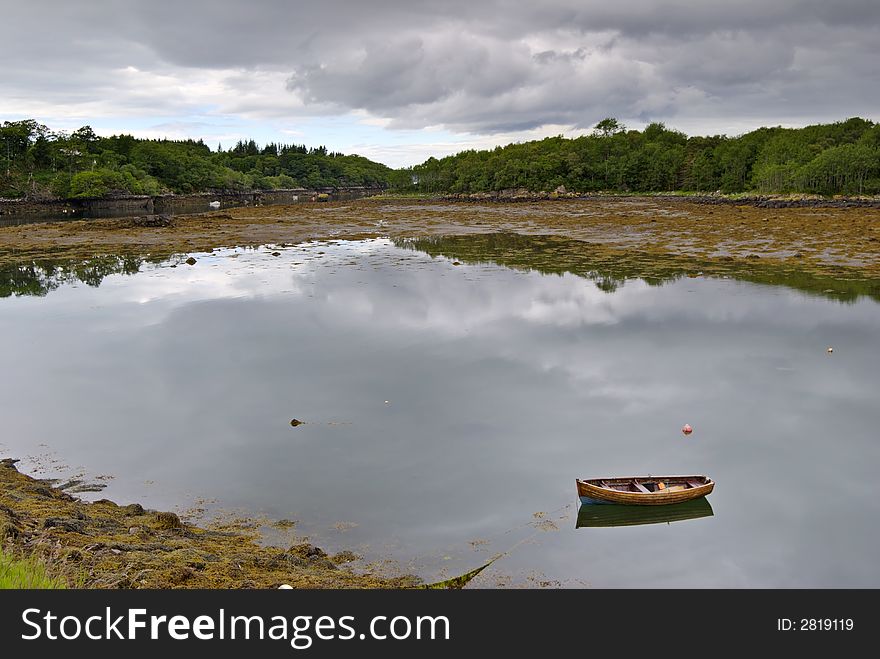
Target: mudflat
{"points": [[826, 241]]}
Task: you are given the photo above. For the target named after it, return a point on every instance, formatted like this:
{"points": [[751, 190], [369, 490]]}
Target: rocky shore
{"points": [[105, 545], [758, 201], [841, 242]]}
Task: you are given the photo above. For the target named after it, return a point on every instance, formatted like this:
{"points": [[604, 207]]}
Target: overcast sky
{"points": [[399, 81]]}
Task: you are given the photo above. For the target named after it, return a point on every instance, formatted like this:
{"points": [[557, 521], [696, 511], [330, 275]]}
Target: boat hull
{"points": [[592, 492]]}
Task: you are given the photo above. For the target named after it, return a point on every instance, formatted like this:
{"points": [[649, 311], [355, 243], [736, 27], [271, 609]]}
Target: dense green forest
{"points": [[838, 158], [826, 159], [38, 163]]}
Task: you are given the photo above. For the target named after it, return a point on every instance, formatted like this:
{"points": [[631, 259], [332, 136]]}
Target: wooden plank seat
{"points": [[695, 484], [641, 488]]}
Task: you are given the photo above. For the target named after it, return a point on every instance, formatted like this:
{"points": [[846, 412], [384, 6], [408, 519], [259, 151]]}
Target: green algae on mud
{"points": [[105, 545], [547, 254], [822, 241], [611, 268]]}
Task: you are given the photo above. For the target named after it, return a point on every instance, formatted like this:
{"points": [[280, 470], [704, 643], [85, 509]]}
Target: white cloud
{"points": [[483, 71]]}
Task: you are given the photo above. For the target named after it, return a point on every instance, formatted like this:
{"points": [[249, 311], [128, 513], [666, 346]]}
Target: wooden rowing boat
{"points": [[590, 515], [644, 490]]}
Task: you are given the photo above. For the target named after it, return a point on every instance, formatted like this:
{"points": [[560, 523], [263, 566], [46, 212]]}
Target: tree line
{"points": [[36, 162], [825, 159]]}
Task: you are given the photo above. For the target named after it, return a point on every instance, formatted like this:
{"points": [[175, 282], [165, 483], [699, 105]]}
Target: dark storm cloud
{"points": [[472, 66]]}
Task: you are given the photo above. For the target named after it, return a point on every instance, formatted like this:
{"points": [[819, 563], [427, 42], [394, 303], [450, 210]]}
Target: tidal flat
{"points": [[824, 241], [100, 544], [434, 353]]}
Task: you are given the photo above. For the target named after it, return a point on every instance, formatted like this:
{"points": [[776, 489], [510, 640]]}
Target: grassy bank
{"points": [[25, 573]]}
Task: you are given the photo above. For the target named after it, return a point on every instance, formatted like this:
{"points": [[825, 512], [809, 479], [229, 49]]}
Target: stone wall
{"points": [[17, 211]]}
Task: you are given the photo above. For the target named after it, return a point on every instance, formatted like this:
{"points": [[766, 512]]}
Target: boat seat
{"points": [[695, 484], [641, 488]]}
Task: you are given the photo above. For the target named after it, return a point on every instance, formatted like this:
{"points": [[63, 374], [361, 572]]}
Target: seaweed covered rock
{"points": [[65, 524], [104, 545], [168, 521], [153, 221], [133, 510], [10, 525], [306, 550]]}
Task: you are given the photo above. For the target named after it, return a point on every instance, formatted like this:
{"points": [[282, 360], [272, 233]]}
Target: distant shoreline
{"points": [[827, 238], [150, 204], [756, 200]]}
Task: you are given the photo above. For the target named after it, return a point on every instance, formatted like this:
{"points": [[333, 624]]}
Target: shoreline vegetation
{"points": [[49, 538], [841, 158], [830, 251], [654, 234], [37, 163], [823, 159], [26, 573], [790, 200]]}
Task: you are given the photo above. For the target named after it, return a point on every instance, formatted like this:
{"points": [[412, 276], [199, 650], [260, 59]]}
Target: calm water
{"points": [[449, 409]]}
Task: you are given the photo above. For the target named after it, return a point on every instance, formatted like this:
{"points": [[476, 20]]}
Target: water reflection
{"points": [[42, 276], [544, 254], [610, 269], [447, 408], [593, 515]]}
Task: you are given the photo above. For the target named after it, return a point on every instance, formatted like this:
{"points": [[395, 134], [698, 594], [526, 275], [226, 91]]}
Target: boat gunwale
{"points": [[594, 491]]}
